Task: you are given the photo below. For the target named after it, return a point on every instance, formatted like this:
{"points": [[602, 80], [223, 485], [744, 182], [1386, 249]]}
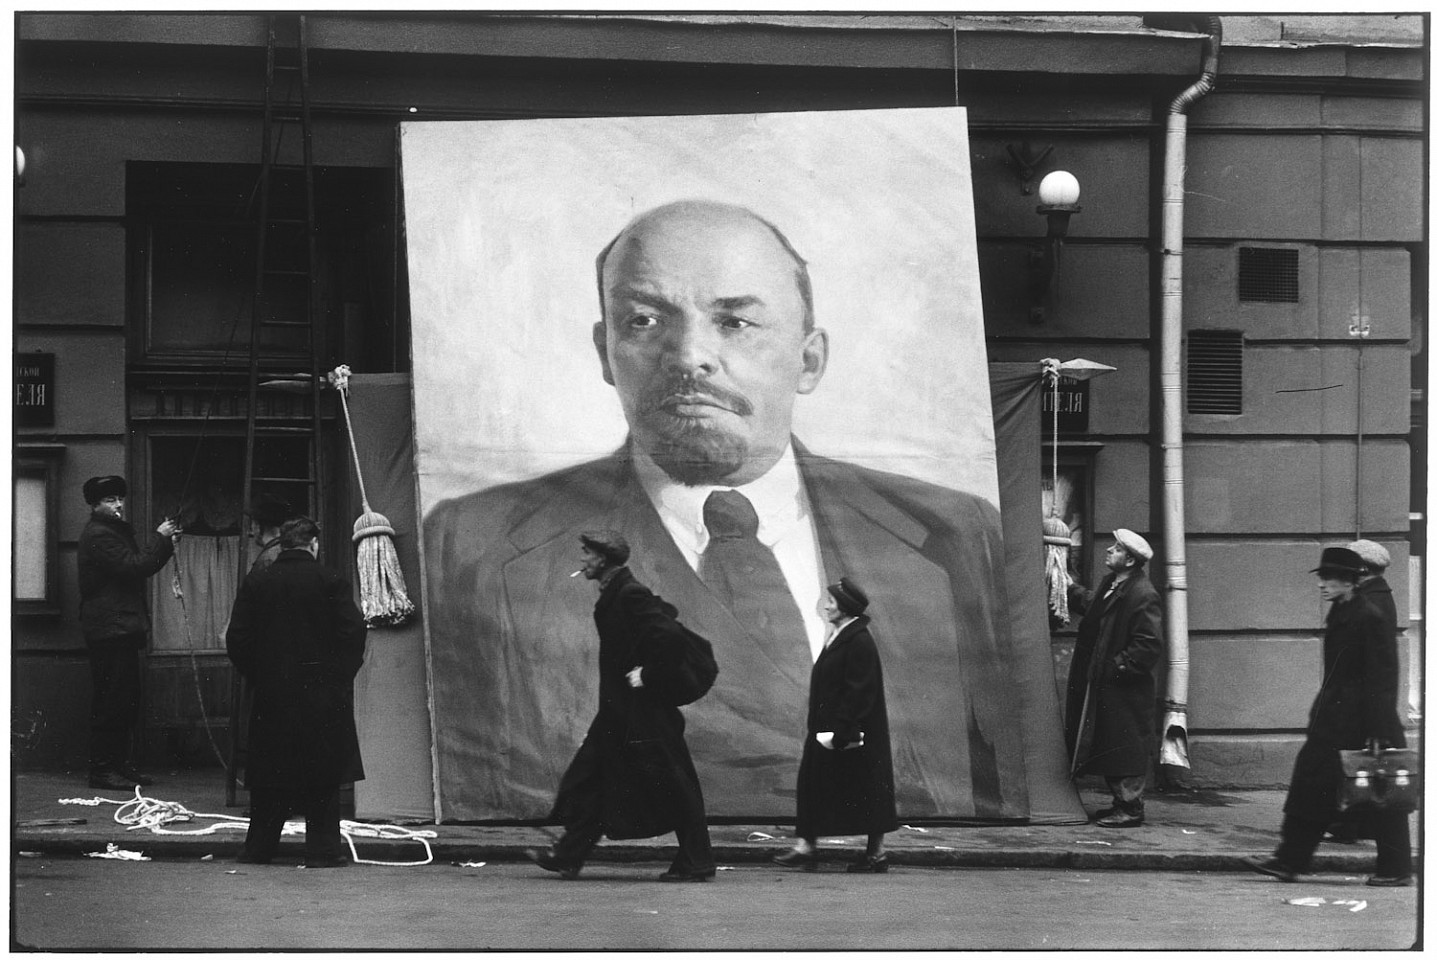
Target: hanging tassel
{"points": [[1057, 538], [383, 595], [1056, 541]]}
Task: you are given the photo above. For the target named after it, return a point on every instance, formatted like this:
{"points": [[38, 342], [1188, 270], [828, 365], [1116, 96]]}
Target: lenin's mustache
{"points": [[680, 389]]}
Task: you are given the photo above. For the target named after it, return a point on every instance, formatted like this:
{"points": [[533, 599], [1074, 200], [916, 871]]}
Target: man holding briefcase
{"points": [[1355, 709]]}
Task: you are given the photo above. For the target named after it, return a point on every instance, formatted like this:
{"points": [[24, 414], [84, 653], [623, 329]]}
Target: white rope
{"points": [[148, 813]]}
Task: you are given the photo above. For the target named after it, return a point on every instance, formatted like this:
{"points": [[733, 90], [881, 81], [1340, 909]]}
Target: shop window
{"points": [[200, 480], [193, 233], [193, 237], [36, 505], [1214, 371]]}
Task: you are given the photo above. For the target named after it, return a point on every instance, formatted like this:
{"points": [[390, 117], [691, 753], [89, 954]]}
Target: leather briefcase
{"points": [[1388, 781]]}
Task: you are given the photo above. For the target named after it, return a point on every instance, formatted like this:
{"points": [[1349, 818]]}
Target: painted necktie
{"points": [[746, 577]]}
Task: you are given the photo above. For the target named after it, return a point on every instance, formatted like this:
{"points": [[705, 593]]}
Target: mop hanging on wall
{"points": [[383, 597], [1057, 538]]}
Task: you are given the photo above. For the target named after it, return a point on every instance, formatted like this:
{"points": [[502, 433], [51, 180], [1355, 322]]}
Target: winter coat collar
{"points": [[848, 630], [104, 520], [295, 554]]}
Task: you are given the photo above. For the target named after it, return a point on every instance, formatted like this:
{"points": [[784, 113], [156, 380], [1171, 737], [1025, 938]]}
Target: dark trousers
{"points": [[271, 806], [1300, 838], [585, 827], [1128, 792], [114, 701]]}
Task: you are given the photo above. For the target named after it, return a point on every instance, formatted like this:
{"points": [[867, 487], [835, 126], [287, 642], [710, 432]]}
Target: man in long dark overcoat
{"points": [[632, 776], [1355, 709], [1112, 696], [297, 638], [1373, 587], [115, 622], [845, 779]]}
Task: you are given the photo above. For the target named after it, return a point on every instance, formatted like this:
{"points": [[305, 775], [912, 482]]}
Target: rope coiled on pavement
{"points": [[149, 813]]}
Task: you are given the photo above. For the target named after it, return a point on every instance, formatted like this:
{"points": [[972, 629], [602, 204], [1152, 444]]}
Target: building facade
{"points": [[1303, 295]]}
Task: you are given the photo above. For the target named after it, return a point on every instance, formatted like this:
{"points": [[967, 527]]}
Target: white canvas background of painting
{"points": [[504, 220]]}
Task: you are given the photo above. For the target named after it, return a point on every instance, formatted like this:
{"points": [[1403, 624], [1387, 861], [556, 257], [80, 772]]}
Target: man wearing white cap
{"points": [[1112, 695], [1372, 586]]}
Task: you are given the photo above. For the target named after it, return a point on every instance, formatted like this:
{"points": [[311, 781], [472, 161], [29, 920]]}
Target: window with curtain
{"points": [[200, 480]]}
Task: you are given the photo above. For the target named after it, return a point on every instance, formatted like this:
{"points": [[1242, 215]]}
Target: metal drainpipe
{"points": [[1174, 750]]}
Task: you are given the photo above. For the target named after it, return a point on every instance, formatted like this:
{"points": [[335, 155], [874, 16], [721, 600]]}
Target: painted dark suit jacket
{"points": [[513, 658]]}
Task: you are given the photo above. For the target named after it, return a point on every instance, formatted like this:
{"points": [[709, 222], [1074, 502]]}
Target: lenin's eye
{"points": [[734, 323], [642, 321]]}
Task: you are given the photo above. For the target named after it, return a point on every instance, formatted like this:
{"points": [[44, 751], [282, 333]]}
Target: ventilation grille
{"points": [[1266, 275], [1214, 371]]}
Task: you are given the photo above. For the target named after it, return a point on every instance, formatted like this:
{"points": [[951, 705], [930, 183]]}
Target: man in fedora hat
{"points": [[115, 621], [1112, 696], [1355, 709]]}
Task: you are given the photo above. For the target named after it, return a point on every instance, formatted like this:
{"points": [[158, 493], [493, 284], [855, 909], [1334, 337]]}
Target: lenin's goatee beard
{"points": [[692, 450]]}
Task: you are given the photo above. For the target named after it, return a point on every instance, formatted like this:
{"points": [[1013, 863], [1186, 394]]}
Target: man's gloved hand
{"points": [[825, 739], [636, 678]]}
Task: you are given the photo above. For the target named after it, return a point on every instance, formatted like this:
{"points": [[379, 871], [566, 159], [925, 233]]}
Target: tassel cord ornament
{"points": [[383, 595]]}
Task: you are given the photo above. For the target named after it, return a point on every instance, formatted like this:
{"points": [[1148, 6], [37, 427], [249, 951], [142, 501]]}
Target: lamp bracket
{"points": [[1026, 163]]}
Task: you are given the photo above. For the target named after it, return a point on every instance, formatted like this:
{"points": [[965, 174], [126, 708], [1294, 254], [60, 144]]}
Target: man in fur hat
{"points": [[115, 622]]}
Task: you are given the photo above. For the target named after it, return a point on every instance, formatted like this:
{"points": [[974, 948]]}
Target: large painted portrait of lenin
{"points": [[616, 319]]}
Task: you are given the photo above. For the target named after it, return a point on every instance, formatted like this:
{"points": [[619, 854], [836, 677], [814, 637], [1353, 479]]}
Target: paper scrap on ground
{"points": [[1352, 905], [113, 852], [1105, 843], [1189, 832], [723, 868], [919, 829], [944, 848], [473, 863], [759, 835]]}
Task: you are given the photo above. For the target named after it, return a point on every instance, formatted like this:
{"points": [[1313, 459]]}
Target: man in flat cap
{"points": [[633, 775], [115, 622], [1112, 696], [1373, 587]]}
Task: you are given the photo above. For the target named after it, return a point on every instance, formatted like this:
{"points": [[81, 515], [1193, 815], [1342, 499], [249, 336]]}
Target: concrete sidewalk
{"points": [[1198, 830]]}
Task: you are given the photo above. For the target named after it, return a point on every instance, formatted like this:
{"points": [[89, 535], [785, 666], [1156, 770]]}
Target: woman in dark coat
{"points": [[297, 638], [845, 779], [1355, 709]]}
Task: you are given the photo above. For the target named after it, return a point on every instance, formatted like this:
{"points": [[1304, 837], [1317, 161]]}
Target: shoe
{"points": [[134, 776], [247, 857], [684, 876], [548, 861], [868, 864], [795, 858], [1121, 818], [109, 780], [1105, 812], [1376, 881], [1271, 866], [325, 862]]}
